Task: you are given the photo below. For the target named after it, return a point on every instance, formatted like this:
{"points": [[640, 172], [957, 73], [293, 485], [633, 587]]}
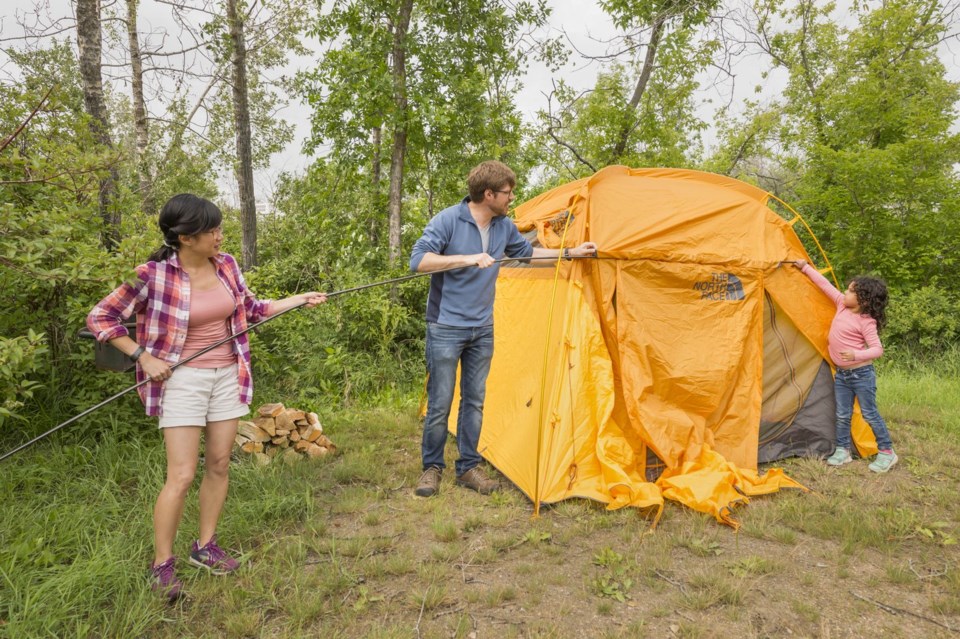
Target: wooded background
{"points": [[102, 121]]}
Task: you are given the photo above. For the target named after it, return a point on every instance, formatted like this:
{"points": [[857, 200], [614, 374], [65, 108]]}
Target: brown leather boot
{"points": [[429, 482], [475, 479]]}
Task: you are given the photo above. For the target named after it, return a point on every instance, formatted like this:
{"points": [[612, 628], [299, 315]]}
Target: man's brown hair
{"points": [[492, 175]]}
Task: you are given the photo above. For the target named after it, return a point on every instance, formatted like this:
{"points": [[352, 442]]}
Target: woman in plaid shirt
{"points": [[187, 297]]}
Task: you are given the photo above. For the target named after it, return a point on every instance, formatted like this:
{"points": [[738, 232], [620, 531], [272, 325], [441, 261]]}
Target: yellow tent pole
{"points": [[823, 254], [546, 356]]}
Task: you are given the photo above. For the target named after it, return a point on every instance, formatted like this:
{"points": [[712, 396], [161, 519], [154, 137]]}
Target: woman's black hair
{"points": [[184, 214], [872, 298]]}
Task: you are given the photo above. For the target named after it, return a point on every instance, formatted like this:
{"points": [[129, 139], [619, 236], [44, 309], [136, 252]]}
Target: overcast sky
{"points": [[586, 26], [582, 20]]}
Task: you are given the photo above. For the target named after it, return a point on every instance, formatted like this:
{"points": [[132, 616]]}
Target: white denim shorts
{"points": [[195, 396]]}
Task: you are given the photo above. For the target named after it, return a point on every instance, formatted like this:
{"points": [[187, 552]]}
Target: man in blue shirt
{"points": [[475, 232]]}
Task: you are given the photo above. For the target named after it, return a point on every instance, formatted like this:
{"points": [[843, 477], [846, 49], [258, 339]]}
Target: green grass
{"points": [[339, 547], [922, 397]]}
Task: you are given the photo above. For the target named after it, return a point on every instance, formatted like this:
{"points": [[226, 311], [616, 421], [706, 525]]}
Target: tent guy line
{"points": [[395, 280]]}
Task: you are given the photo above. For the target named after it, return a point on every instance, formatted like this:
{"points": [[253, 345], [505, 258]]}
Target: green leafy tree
{"points": [[359, 346], [433, 81], [53, 266], [247, 41], [865, 130], [642, 109]]}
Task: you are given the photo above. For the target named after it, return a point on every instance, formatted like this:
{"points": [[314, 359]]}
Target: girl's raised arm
{"points": [[822, 283]]}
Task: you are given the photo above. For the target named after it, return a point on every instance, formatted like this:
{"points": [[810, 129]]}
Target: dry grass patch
{"points": [[398, 564], [806, 610], [753, 565], [706, 589], [443, 529], [430, 598], [484, 555], [446, 552], [472, 523]]}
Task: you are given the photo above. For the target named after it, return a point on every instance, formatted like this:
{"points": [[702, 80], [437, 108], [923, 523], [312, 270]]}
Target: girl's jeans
{"points": [[472, 349], [862, 384]]}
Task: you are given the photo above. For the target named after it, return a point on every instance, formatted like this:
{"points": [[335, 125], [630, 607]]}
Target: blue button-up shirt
{"points": [[464, 297]]}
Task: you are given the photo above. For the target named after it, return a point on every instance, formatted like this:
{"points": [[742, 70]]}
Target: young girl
{"points": [[853, 345], [189, 296]]}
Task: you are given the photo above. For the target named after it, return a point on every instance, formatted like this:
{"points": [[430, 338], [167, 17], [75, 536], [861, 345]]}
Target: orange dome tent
{"points": [[671, 366]]}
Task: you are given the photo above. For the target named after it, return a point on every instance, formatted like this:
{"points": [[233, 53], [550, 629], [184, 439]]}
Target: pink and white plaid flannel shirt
{"points": [[160, 298]]}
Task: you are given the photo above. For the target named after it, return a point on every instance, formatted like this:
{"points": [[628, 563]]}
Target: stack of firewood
{"points": [[287, 433]]}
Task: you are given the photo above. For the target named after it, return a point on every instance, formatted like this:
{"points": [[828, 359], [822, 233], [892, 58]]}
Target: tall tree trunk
{"points": [[399, 73], [241, 125], [629, 120], [373, 231], [89, 44], [139, 110]]}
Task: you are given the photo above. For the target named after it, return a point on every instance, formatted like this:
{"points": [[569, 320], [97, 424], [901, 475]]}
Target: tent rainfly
{"points": [[671, 366]]}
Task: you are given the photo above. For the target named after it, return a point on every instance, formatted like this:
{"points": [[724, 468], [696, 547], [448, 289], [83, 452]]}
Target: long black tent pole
{"points": [[395, 280]]}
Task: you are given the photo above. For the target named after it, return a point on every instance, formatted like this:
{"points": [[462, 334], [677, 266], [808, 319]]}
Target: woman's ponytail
{"points": [[184, 214], [169, 248]]}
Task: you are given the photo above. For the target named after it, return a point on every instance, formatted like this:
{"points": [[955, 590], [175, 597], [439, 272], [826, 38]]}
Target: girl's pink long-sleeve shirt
{"points": [[849, 331]]}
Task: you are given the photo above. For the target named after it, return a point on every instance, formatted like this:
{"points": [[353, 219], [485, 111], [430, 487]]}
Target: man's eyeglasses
{"points": [[509, 192]]}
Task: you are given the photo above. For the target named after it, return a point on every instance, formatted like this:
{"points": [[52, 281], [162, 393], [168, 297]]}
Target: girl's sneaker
{"points": [[840, 457], [883, 462], [163, 579], [212, 557]]}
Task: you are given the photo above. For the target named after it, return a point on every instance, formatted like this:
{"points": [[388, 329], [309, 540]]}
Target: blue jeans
{"points": [[862, 384], [447, 346]]}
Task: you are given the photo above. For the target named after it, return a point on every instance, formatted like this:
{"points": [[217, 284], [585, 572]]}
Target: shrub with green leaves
{"points": [[19, 360], [925, 320]]}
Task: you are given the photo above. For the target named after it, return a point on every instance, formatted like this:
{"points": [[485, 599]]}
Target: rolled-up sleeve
{"points": [[105, 320], [254, 309]]}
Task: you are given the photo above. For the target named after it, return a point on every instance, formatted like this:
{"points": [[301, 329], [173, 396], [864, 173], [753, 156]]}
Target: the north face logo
{"points": [[721, 286]]}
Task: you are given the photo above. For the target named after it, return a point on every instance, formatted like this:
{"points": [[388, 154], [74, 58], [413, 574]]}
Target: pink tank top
{"points": [[209, 312]]}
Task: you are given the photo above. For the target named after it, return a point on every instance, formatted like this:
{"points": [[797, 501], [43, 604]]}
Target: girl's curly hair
{"points": [[872, 297]]}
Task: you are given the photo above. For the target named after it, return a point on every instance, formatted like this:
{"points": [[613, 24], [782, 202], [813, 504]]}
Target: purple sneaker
{"points": [[213, 558], [163, 579]]}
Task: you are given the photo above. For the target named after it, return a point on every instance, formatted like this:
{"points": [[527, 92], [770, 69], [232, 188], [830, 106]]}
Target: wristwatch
{"points": [[566, 254], [135, 355]]}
